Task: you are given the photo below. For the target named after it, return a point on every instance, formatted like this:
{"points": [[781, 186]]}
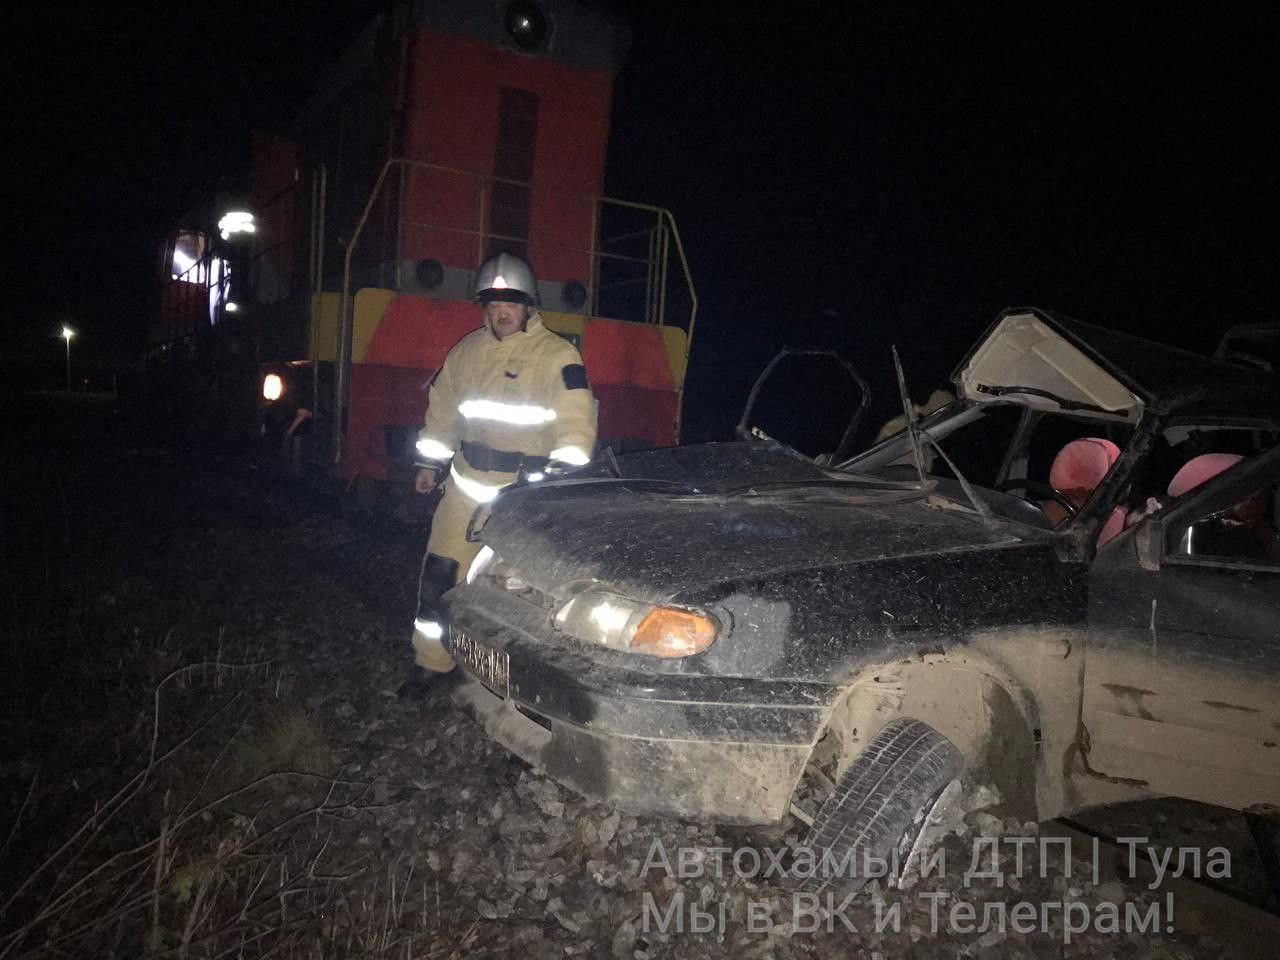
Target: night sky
{"points": [[849, 175]]}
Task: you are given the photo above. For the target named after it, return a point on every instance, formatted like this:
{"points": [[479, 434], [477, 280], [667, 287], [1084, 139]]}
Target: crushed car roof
{"points": [[1110, 374]]}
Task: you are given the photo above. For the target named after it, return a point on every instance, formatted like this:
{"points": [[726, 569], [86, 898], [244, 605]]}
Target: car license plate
{"points": [[491, 667]]}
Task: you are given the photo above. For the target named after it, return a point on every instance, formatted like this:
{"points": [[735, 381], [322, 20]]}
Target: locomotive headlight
{"points": [[272, 387], [235, 222]]}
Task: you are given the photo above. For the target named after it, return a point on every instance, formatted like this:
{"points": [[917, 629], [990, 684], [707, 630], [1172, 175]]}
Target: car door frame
{"points": [[1180, 671]]}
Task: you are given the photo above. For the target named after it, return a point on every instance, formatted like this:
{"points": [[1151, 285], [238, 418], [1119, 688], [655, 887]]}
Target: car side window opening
{"points": [[1247, 532], [1179, 445]]}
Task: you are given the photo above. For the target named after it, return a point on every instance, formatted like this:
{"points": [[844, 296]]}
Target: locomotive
{"points": [[317, 306]]}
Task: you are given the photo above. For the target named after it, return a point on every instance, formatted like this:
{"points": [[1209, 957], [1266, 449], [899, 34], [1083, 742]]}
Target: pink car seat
{"points": [[1200, 470], [1078, 469]]}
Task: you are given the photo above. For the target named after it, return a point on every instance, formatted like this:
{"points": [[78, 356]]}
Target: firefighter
{"points": [[511, 399]]}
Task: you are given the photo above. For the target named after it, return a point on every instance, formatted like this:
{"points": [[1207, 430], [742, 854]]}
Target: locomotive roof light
{"points": [[236, 221], [526, 24]]}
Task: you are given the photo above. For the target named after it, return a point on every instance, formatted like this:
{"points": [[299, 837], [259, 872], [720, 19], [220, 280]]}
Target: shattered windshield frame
{"points": [[1015, 456]]}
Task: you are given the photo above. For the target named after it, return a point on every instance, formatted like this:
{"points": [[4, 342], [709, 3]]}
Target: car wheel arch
{"points": [[966, 696]]}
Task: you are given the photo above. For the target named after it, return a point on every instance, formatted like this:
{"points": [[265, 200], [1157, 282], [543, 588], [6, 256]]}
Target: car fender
{"points": [[964, 695]]}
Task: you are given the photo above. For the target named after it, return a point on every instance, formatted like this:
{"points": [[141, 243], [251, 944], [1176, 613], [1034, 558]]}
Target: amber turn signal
{"points": [[667, 632]]}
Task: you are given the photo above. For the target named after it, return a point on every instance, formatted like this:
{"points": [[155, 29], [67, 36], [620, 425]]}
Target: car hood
{"points": [[680, 520]]}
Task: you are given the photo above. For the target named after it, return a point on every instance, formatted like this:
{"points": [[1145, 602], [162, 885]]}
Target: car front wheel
{"points": [[880, 803]]}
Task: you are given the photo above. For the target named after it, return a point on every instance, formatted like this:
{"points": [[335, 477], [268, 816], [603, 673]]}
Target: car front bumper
{"points": [[716, 748]]}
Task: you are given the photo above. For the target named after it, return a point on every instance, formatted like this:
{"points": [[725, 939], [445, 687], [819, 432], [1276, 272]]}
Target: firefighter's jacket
{"points": [[500, 407]]}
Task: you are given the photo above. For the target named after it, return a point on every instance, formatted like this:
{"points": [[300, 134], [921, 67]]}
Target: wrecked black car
{"points": [[1066, 583]]}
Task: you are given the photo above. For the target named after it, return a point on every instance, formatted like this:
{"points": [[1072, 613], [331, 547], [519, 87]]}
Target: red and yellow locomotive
{"points": [[450, 130]]}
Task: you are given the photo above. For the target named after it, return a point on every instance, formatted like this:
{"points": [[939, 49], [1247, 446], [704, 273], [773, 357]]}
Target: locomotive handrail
{"points": [[663, 235], [342, 375]]}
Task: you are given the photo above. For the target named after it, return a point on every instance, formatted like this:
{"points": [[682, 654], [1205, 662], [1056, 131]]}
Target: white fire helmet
{"points": [[506, 277]]}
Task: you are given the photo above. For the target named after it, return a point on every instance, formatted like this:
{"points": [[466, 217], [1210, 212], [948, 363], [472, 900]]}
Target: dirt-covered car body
{"points": [[846, 597]]}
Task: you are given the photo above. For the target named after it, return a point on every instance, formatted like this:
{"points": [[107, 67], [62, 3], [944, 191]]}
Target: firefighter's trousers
{"points": [[445, 564]]}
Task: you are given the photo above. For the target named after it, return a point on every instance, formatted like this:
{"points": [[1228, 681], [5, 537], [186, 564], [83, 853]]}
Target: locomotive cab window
{"points": [[185, 252]]}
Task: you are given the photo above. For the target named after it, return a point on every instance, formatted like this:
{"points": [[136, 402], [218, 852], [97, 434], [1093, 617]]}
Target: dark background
{"points": [[843, 175]]}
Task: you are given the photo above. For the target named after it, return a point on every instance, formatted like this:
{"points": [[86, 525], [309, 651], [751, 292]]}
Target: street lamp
{"points": [[67, 334]]}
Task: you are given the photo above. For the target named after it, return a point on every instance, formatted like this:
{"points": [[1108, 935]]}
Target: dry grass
{"points": [[163, 791], [227, 837]]}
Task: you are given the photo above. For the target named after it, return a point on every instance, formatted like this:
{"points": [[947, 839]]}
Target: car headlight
{"points": [[610, 619], [272, 387]]}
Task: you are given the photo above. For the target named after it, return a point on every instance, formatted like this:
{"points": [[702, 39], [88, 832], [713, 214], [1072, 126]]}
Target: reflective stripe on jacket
{"points": [[525, 396]]}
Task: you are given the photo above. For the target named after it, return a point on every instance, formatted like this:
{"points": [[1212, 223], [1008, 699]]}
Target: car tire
{"points": [[880, 803]]}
